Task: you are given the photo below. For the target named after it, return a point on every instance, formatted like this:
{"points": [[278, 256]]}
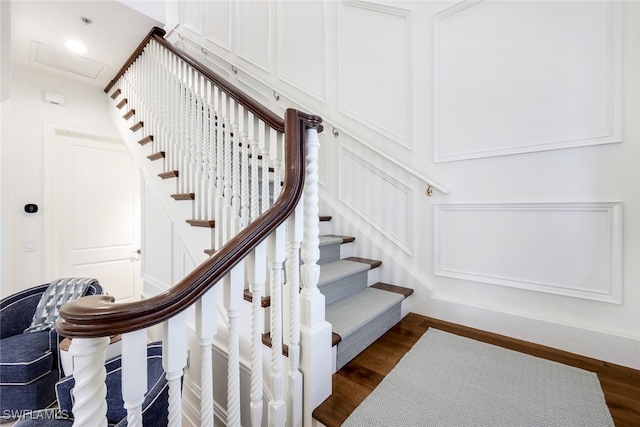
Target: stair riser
{"points": [[351, 346], [340, 288]]}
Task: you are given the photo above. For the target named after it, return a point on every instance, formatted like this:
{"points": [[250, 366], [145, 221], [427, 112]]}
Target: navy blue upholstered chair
{"points": [[29, 362], [155, 409]]}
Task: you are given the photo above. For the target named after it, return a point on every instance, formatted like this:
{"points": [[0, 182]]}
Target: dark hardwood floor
{"points": [[353, 383]]}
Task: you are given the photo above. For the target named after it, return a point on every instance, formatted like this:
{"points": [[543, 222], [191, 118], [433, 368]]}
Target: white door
{"points": [[97, 232]]}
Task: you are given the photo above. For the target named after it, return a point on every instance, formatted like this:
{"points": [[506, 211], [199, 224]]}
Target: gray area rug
{"points": [[447, 380]]}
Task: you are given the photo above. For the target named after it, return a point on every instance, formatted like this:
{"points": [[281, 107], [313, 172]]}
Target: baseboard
{"points": [[608, 347]]}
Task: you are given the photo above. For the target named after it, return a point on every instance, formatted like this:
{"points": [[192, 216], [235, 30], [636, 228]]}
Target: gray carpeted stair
{"points": [[358, 314]]}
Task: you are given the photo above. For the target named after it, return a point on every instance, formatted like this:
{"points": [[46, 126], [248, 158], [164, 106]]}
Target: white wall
{"points": [[85, 109], [6, 264], [526, 111]]}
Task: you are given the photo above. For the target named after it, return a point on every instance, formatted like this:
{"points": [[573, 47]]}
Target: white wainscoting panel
{"points": [[157, 241], [253, 27], [218, 21], [384, 202], [374, 57], [572, 249], [518, 77], [192, 13], [302, 56]]}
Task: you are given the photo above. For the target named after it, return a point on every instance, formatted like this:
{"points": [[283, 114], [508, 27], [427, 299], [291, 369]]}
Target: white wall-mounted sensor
{"points": [[54, 98]]}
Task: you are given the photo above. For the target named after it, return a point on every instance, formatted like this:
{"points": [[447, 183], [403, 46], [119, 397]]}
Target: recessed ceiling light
{"points": [[76, 46]]}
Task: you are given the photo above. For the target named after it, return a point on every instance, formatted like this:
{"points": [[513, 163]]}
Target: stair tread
{"points": [[345, 239], [116, 93], [156, 156], [405, 292], [169, 174], [370, 302], [325, 218], [146, 140], [339, 269], [248, 296], [372, 262], [201, 223], [183, 196]]}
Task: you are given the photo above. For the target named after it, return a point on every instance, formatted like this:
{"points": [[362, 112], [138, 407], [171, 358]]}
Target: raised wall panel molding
{"points": [[381, 200], [302, 47], [519, 78], [216, 62], [374, 83], [191, 15], [218, 18], [254, 88], [571, 249], [253, 32]]}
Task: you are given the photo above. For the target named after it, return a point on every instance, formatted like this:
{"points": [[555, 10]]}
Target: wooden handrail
{"points": [[100, 315], [155, 31]]}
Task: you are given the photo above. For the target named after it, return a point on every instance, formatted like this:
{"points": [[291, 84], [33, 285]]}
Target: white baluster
{"points": [[277, 406], [265, 174], [294, 376], [255, 187], [315, 331], [90, 391], [174, 359], [233, 290], [206, 328], [257, 262], [246, 161], [134, 375]]}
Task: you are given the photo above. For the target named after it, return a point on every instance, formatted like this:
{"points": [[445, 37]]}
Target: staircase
{"points": [[232, 170]]}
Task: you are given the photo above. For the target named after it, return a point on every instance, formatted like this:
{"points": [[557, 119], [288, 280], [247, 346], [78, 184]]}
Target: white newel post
{"points": [[174, 360], [315, 331], [134, 375], [90, 390], [206, 328]]}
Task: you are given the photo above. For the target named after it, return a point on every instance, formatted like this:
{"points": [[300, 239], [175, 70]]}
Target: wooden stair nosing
{"points": [[122, 103], [116, 93], [147, 139], [266, 301], [137, 126], [169, 174], [128, 114], [325, 218], [209, 251], [156, 156], [372, 262], [201, 223], [184, 196]]}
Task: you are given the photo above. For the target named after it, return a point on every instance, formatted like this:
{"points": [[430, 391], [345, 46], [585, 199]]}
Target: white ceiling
{"points": [[114, 34]]}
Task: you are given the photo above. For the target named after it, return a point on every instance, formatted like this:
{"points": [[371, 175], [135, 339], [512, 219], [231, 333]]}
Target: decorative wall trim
{"points": [[614, 95], [224, 44], [403, 242], [611, 256], [252, 86], [320, 96], [247, 57], [196, 30], [404, 141]]}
